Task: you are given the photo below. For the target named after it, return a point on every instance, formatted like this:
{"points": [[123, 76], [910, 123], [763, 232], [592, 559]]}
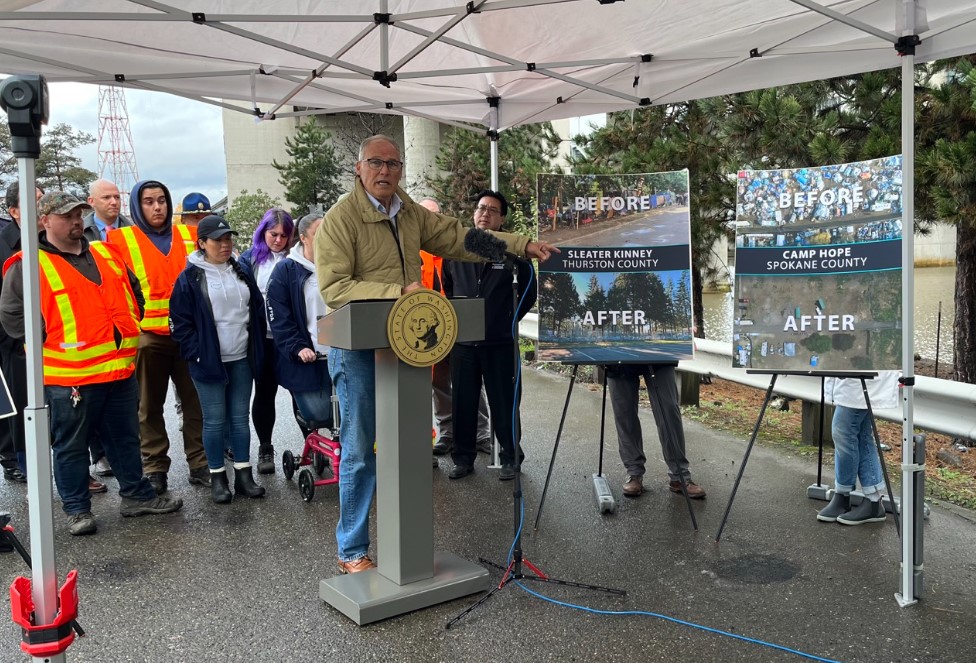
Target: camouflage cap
{"points": [[59, 202]]}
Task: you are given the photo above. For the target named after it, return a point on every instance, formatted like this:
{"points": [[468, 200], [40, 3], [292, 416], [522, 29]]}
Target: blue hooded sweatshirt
{"points": [[162, 238]]}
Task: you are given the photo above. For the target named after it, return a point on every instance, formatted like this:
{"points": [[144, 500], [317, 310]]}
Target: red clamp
{"points": [[49, 639]]}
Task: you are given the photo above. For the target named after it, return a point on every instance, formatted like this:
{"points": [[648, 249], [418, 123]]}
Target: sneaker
{"points": [[80, 524], [266, 462], [865, 512], [484, 445], [634, 486], [461, 471], [102, 468], [695, 491], [507, 473], [14, 475], [443, 445], [96, 486], [150, 507], [158, 481], [838, 506], [200, 477]]}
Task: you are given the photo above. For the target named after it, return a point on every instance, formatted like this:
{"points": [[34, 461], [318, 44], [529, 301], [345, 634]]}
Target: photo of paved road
{"points": [[664, 226], [595, 353]]}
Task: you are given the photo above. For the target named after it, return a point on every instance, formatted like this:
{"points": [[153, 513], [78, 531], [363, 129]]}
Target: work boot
{"points": [[244, 483], [266, 461], [695, 491], [80, 524], [219, 488], [443, 446], [460, 471], [158, 481], [96, 486], [865, 512], [200, 476], [839, 504]]}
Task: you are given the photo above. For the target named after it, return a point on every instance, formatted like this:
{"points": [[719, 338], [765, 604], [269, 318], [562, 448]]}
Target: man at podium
{"points": [[368, 247]]}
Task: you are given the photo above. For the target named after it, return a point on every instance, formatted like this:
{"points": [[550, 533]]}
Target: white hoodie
{"points": [[262, 274], [882, 390], [230, 300], [314, 304]]}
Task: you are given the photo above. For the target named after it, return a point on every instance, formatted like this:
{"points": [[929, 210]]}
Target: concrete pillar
{"points": [[421, 142], [810, 424]]}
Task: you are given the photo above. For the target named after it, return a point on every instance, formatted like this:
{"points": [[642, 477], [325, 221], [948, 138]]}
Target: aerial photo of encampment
{"points": [[818, 268]]}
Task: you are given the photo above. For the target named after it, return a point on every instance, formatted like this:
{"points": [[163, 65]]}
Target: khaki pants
{"points": [[159, 360]]}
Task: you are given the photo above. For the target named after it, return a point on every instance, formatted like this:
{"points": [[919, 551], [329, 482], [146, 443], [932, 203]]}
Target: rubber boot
{"points": [[838, 506], [244, 483], [219, 488]]}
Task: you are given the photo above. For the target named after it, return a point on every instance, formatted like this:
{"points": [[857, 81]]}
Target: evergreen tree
{"points": [[58, 167], [311, 178], [465, 158], [595, 300], [561, 300], [246, 212]]}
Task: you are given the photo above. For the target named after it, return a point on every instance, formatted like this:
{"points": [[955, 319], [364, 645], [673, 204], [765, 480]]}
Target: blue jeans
{"points": [[111, 411], [855, 454], [226, 414], [354, 378]]}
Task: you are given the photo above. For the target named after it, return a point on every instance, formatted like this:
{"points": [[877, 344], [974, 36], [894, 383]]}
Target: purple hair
{"points": [[271, 218]]}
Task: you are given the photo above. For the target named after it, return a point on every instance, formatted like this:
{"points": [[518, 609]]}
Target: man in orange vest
{"points": [[156, 251], [90, 313]]}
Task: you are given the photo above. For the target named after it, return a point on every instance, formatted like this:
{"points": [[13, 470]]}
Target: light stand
{"points": [[25, 99], [513, 570]]}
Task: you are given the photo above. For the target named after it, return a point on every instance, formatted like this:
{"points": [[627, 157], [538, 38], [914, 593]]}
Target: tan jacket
{"points": [[357, 255]]}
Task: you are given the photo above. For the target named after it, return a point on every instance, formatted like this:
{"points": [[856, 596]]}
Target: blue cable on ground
{"points": [[583, 608]]}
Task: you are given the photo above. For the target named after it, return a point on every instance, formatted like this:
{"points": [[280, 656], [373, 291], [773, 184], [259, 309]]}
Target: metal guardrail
{"points": [[941, 406]]}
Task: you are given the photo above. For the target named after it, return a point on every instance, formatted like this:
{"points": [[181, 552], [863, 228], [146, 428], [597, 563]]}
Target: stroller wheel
{"points": [[288, 464], [306, 485]]}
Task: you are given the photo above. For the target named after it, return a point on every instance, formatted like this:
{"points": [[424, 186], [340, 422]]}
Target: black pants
{"points": [[495, 365], [263, 404], [14, 364]]}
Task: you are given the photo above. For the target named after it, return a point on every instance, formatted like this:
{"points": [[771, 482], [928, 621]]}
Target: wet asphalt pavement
{"points": [[240, 582]]}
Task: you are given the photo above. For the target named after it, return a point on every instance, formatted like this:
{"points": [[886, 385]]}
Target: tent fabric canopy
{"points": [[441, 59]]}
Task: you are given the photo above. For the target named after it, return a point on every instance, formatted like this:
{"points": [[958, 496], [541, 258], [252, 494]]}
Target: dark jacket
{"points": [[493, 283], [9, 245], [91, 230], [192, 325], [289, 328], [162, 238]]}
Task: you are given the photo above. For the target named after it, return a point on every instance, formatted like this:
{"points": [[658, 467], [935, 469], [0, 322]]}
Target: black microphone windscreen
{"points": [[484, 244]]}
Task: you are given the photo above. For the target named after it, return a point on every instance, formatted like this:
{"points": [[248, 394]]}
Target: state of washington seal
{"points": [[422, 327]]}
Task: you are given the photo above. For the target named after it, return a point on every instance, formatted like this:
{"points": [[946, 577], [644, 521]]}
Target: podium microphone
{"points": [[485, 245]]}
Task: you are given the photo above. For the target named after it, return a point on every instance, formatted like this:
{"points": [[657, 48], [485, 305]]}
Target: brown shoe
{"points": [[357, 565], [695, 491], [634, 486], [96, 486]]}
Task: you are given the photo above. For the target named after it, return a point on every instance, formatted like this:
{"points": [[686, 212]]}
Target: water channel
{"points": [[933, 285]]}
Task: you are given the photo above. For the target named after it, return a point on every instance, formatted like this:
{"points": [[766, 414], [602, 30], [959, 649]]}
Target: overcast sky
{"points": [[176, 141]]}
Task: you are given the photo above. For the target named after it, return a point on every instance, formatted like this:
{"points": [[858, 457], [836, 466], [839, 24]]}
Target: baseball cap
{"points": [[214, 227], [59, 202], [196, 203]]}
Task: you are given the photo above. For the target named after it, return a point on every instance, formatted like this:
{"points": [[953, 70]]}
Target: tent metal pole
{"points": [[40, 484], [907, 594], [384, 38], [493, 137]]}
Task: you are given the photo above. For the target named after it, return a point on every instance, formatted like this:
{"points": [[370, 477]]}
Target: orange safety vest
{"points": [[432, 271], [80, 319], [157, 273]]}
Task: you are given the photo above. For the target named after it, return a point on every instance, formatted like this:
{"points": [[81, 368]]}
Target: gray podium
{"points": [[410, 574]]}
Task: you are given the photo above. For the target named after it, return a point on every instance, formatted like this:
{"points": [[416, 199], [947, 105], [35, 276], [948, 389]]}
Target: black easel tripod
{"points": [[863, 377], [513, 570]]}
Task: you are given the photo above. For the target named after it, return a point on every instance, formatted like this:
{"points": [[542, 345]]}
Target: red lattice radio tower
{"points": [[116, 155]]}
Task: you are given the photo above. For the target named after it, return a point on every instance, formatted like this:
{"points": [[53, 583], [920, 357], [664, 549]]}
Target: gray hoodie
{"points": [[229, 299]]}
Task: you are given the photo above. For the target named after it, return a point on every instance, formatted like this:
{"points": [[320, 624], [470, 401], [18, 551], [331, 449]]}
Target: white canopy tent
{"points": [[497, 64]]}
